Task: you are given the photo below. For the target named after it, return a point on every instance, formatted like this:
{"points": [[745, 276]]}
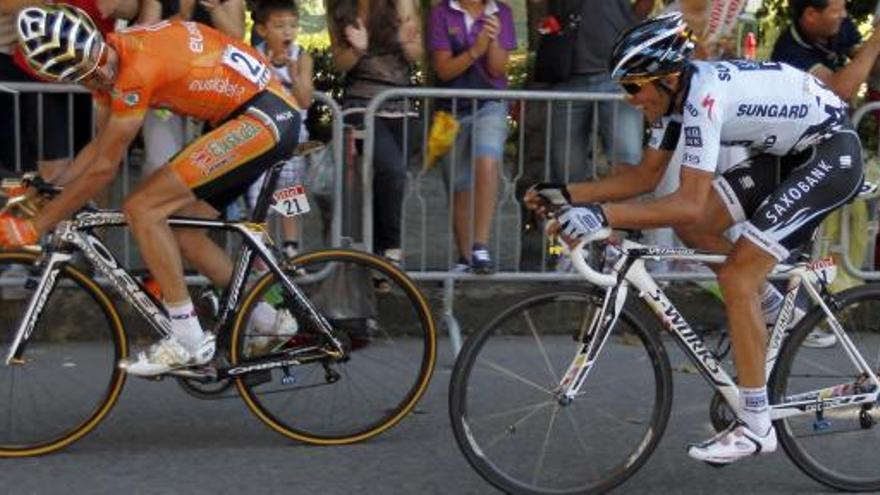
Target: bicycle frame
{"points": [[630, 270], [76, 234]]}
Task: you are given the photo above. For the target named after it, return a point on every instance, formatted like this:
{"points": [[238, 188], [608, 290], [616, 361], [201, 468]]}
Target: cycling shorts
{"points": [[783, 199], [220, 165]]}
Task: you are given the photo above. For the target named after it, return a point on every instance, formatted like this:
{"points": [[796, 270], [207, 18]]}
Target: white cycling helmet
{"points": [[59, 42], [653, 48]]}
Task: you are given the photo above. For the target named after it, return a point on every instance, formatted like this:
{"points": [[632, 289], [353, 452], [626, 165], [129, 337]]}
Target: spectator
{"points": [[375, 43], [50, 155], [822, 40], [601, 22], [165, 133], [277, 23], [469, 42]]}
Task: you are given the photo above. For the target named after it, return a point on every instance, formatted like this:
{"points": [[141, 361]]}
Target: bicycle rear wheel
{"points": [[334, 402], [67, 380], [837, 447], [512, 427]]}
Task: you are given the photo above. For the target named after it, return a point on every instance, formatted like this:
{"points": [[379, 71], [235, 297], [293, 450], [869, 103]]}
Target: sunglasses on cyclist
{"points": [[632, 88]]}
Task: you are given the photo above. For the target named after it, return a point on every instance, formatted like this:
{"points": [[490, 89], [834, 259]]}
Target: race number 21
{"points": [[291, 201]]}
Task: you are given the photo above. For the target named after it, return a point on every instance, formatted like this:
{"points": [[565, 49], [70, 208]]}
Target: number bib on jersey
{"points": [[248, 66], [291, 201]]}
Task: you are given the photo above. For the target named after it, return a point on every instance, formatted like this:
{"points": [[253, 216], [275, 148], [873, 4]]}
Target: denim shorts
{"points": [[482, 134]]}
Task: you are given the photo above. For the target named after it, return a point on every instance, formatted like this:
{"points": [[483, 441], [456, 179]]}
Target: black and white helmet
{"points": [[60, 42], [653, 48]]}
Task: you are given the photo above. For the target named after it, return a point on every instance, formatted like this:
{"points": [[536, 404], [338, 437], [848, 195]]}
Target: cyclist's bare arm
{"points": [[630, 182], [683, 207], [98, 167]]}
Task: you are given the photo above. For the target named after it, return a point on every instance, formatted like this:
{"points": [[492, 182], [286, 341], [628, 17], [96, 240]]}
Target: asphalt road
{"points": [[160, 440]]}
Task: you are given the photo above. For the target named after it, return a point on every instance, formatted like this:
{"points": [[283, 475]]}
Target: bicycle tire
{"points": [[37, 398], [500, 454], [829, 452], [386, 373]]}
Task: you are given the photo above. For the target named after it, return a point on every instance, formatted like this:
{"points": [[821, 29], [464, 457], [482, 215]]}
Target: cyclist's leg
{"points": [[735, 195], [828, 176], [147, 210], [197, 248], [215, 168]]}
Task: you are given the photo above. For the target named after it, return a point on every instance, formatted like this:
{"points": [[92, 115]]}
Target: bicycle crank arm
{"points": [[293, 358]]}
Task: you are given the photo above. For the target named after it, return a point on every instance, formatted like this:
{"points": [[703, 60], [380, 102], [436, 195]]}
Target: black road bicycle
{"points": [[340, 374], [570, 390]]}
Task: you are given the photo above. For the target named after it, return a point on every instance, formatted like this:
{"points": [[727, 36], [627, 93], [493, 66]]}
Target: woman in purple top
{"points": [[469, 41]]}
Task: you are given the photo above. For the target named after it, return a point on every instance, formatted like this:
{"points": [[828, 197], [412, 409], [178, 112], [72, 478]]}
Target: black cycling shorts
{"points": [[783, 199], [220, 165]]}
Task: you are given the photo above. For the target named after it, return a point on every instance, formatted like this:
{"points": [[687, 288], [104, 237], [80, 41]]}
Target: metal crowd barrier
{"points": [[426, 222], [425, 198]]}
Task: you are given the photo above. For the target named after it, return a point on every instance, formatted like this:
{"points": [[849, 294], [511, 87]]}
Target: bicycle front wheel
{"points": [[67, 379], [837, 447], [507, 416], [390, 333]]}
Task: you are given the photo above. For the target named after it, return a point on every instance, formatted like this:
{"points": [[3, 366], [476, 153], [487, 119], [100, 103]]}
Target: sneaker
{"points": [[481, 262], [168, 354], [820, 339], [289, 250], [732, 444], [462, 266], [380, 282], [268, 328]]}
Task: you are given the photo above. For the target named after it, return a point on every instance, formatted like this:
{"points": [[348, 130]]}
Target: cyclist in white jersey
{"points": [[805, 161]]}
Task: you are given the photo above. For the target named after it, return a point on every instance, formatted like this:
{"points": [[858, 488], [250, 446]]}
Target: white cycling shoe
{"points": [[269, 327], [732, 444], [167, 355]]}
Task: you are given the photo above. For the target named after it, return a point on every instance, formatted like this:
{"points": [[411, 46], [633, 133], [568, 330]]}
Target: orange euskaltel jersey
{"points": [[188, 68]]}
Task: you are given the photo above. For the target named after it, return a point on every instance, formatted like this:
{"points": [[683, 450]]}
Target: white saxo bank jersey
{"points": [[769, 107]]}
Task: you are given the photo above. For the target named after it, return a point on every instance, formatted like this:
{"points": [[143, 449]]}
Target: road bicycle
{"points": [[570, 390], [353, 365]]}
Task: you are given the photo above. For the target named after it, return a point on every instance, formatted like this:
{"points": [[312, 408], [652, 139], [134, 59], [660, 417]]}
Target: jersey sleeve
{"points": [[701, 131]]}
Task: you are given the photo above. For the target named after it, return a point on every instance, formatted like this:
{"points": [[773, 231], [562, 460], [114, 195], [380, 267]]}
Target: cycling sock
{"points": [[185, 324], [755, 413], [771, 303]]}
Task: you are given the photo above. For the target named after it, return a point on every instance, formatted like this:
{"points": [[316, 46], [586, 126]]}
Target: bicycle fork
{"points": [[45, 284], [591, 344]]}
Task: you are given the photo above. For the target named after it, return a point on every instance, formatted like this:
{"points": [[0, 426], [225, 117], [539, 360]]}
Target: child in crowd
{"points": [[277, 23], [469, 42]]}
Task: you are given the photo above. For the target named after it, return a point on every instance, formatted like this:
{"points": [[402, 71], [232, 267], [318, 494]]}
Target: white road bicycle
{"points": [[570, 390]]}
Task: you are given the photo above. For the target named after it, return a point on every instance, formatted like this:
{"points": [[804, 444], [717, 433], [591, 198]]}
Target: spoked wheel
{"points": [[67, 378], [390, 334], [514, 429], [837, 447]]}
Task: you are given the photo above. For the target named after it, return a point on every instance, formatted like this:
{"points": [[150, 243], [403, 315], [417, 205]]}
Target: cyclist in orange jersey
{"points": [[192, 70]]}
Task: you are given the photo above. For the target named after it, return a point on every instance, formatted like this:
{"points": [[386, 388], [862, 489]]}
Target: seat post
{"points": [[261, 209]]}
